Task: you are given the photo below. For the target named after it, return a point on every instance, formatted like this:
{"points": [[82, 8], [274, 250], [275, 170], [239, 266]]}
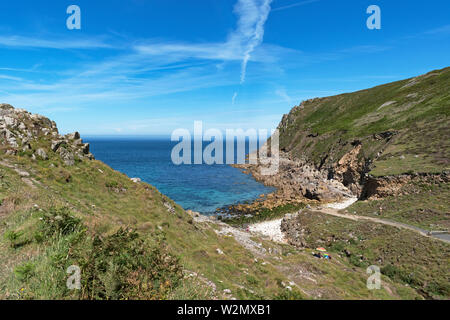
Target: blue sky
{"points": [[141, 67]]}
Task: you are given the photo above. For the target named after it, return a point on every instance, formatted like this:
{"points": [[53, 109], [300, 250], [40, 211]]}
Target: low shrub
{"points": [[124, 266], [24, 271], [13, 237], [289, 295], [58, 221], [118, 266]]}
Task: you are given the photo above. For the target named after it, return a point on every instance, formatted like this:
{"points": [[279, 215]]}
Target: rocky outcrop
{"points": [[38, 137], [353, 167], [295, 233], [340, 171], [380, 187], [297, 181], [42, 154], [350, 170], [354, 134]]}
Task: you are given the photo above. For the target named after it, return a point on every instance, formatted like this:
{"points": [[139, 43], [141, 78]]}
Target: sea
{"points": [[198, 187]]}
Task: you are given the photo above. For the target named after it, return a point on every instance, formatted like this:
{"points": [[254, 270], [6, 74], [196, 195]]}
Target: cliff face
{"points": [[393, 129], [37, 136]]}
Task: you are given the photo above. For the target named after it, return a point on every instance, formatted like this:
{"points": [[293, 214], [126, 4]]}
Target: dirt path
{"points": [[272, 229], [243, 237], [296, 274], [334, 212], [24, 175], [249, 240]]}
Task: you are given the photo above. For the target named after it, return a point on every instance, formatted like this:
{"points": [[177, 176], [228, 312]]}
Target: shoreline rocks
{"points": [[296, 182]]}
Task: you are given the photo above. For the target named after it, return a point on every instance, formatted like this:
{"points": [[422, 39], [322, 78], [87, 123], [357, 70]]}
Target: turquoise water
{"points": [[202, 188]]}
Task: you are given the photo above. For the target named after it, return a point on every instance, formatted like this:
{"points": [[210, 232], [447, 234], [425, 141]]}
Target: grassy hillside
{"points": [[59, 208], [390, 143], [401, 255], [424, 205], [103, 201], [403, 126], [131, 244]]}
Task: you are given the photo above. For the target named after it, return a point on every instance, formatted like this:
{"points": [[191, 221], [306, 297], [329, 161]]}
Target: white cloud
{"points": [[253, 15], [239, 46], [233, 99], [441, 30], [180, 51], [6, 77], [283, 94], [294, 5], [28, 42], [107, 88]]}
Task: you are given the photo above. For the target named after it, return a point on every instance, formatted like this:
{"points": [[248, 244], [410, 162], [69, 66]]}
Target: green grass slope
{"points": [[103, 203], [424, 205], [404, 256], [392, 142], [59, 208], [132, 242], [415, 110]]}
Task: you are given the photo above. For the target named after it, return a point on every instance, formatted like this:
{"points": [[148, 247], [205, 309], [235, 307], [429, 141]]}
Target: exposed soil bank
{"points": [[380, 187]]}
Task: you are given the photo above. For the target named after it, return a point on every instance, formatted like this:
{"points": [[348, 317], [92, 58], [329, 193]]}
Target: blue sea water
{"points": [[202, 188]]}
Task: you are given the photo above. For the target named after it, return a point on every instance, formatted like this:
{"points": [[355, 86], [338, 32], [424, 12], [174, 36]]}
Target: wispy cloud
{"points": [[239, 46], [435, 32], [108, 87], [6, 77], [283, 94], [441, 30], [233, 99], [180, 51], [253, 15], [28, 42], [297, 4]]}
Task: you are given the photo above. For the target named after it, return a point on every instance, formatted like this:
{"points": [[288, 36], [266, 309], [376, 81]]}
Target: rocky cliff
{"points": [[37, 136], [364, 138]]}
